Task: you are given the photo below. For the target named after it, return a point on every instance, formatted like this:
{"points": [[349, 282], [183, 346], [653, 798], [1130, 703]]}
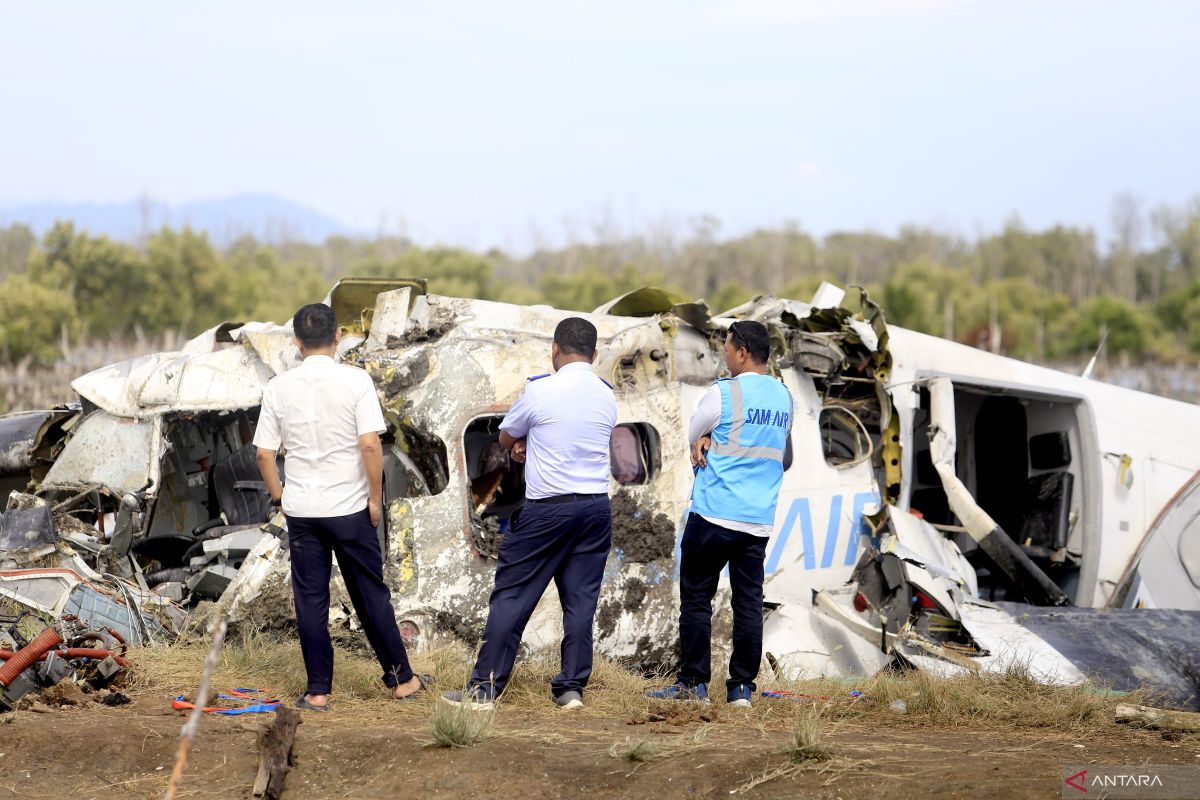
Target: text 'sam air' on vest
{"points": [[745, 460]]}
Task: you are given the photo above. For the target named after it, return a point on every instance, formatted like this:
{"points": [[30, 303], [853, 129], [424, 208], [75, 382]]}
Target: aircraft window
{"points": [[428, 470], [1050, 450], [497, 483], [1189, 550], [634, 453], [844, 438]]}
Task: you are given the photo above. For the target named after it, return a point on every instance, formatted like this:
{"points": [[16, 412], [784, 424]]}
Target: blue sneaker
{"points": [[739, 696], [681, 691]]}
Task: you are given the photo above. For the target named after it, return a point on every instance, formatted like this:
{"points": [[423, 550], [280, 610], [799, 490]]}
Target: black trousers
{"points": [[353, 540], [705, 550], [567, 543]]}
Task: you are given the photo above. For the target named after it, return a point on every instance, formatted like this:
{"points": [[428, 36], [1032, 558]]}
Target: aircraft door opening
{"points": [[1006, 486]]}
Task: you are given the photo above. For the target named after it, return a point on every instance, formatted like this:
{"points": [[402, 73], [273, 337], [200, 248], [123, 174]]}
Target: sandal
{"points": [[303, 703], [425, 682]]}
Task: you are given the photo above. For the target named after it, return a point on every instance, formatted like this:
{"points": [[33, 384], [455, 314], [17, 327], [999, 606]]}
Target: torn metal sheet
{"points": [[228, 376], [116, 453], [26, 529], [275, 345], [44, 590], [1124, 648], [119, 608], [17, 435]]}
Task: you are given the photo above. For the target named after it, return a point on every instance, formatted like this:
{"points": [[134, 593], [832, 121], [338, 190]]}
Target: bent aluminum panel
{"points": [[113, 453]]}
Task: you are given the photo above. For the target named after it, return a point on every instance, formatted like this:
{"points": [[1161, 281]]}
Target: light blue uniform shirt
{"points": [[567, 420]]}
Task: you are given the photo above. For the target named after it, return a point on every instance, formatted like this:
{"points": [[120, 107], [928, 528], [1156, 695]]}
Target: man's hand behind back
{"points": [[700, 451]]}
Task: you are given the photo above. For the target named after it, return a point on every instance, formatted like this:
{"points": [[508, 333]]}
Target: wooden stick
{"points": [[192, 726], [275, 753], [1159, 718]]}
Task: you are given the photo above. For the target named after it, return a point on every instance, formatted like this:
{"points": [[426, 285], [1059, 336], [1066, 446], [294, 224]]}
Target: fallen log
{"points": [[275, 753], [1159, 718]]}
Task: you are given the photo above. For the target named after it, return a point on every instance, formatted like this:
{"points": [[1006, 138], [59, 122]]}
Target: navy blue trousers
{"points": [[705, 550], [567, 543], [354, 541]]}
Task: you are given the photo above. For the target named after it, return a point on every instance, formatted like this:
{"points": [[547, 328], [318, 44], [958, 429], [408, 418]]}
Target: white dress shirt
{"points": [[567, 421], [316, 412]]}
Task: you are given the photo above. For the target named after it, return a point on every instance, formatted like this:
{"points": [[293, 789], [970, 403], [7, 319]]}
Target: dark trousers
{"points": [[353, 540], [705, 550], [568, 543]]}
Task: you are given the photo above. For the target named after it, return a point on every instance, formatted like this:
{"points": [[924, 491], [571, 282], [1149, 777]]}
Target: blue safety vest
{"points": [[745, 460]]}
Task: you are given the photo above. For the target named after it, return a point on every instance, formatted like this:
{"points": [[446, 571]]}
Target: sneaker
{"points": [[739, 696], [475, 698], [681, 691], [569, 700]]}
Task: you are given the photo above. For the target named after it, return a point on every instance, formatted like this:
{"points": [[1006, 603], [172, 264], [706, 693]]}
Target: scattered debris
{"points": [[853, 696], [676, 714], [235, 702], [58, 665], [1159, 718]]}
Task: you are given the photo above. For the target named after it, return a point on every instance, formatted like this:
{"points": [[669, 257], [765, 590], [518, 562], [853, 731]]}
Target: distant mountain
{"points": [[266, 217]]}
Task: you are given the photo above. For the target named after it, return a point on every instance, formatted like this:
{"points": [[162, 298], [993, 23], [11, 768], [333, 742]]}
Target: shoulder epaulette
{"points": [[538, 377], [606, 383]]}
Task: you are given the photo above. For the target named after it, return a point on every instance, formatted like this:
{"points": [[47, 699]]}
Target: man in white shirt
{"points": [[739, 437], [327, 419], [561, 427]]}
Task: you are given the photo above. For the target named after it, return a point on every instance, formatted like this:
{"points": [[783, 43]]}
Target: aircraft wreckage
{"points": [[942, 507]]}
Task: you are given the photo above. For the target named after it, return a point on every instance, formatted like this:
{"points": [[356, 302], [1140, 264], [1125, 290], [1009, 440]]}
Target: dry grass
{"points": [[251, 660], [1010, 699], [643, 749], [1013, 697], [640, 749], [459, 725], [806, 743]]}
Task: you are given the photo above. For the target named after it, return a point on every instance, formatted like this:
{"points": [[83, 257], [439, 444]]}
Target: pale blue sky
{"points": [[482, 123]]}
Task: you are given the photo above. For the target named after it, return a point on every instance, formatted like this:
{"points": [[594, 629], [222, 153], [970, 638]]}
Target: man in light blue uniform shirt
{"points": [[739, 436], [561, 427]]}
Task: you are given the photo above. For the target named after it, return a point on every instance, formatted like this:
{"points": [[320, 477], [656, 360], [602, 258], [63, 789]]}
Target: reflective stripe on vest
{"points": [[744, 470], [733, 448]]}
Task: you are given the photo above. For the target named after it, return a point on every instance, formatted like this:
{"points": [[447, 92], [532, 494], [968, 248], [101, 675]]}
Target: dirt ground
{"points": [[366, 749]]}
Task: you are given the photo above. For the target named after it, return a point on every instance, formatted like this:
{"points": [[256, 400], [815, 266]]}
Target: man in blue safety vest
{"points": [[738, 435]]}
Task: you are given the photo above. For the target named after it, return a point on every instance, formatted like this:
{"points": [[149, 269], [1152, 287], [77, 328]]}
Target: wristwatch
{"points": [[276, 503]]}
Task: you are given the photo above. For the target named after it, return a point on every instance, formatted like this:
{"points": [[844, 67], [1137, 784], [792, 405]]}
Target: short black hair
{"points": [[576, 336], [315, 325], [754, 337]]}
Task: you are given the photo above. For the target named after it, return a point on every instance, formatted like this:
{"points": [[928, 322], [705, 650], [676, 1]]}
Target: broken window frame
{"points": [[1085, 457], [865, 445], [650, 450]]}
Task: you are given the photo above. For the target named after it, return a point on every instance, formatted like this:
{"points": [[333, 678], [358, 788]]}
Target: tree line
{"points": [[1035, 294]]}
